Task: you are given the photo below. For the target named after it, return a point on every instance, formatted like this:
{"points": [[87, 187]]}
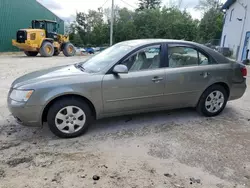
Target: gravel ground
{"points": [[171, 149]]}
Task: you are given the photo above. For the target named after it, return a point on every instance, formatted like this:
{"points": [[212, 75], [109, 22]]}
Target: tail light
{"points": [[244, 71]]}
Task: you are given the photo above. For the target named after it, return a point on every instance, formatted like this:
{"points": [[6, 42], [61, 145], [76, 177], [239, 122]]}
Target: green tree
{"points": [[90, 28], [206, 5], [76, 39], [211, 25], [124, 28], [147, 23], [180, 24], [169, 23], [93, 28], [149, 4]]}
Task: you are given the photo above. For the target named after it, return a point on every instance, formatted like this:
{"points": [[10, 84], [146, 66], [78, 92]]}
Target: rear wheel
{"points": [[47, 49], [69, 50], [213, 101], [69, 117], [30, 53]]}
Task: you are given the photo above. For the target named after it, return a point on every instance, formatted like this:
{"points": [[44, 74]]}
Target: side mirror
{"points": [[120, 69]]}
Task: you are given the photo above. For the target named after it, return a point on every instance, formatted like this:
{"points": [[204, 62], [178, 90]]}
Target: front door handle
{"points": [[205, 74], [157, 79]]}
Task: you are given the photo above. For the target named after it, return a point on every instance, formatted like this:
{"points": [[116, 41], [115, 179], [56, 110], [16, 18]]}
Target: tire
{"points": [[29, 53], [69, 50], [56, 52], [47, 49], [59, 116], [212, 107]]}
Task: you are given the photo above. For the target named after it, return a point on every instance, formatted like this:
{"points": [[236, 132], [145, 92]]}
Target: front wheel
{"points": [[47, 49], [69, 50], [69, 117], [213, 101]]}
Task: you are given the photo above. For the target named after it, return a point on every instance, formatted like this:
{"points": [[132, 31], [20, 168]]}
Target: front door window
{"points": [[147, 58]]}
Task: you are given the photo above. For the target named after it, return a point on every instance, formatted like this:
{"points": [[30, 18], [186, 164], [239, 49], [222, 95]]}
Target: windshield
{"points": [[49, 26], [38, 25], [106, 58]]}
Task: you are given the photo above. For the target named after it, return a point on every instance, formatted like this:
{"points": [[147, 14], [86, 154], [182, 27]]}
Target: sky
{"points": [[66, 9]]}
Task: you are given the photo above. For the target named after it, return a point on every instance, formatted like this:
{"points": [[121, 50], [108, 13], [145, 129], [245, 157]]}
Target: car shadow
{"points": [[115, 124], [177, 116], [134, 123], [137, 121]]}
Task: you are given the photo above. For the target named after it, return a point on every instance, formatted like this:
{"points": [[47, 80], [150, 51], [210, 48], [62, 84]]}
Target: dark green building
{"points": [[18, 14]]}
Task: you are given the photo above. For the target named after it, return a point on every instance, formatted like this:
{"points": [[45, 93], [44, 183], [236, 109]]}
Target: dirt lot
{"points": [[171, 149]]}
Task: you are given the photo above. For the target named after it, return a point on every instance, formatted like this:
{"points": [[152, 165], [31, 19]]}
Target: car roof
{"points": [[140, 42]]}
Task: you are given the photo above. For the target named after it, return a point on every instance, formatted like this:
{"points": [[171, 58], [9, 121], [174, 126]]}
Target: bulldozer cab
{"points": [[50, 27]]}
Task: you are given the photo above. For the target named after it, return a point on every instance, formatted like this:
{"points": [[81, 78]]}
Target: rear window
{"points": [[218, 57]]}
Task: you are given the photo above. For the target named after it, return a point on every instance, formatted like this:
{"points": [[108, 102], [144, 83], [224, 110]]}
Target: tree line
{"points": [[149, 20]]}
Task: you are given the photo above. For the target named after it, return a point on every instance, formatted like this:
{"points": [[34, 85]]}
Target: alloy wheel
{"points": [[70, 119], [214, 101]]}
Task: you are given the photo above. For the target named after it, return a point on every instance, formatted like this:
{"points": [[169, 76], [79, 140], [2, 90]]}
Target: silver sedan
{"points": [[130, 77]]}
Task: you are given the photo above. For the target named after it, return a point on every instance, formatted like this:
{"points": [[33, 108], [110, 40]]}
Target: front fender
{"points": [[48, 85], [46, 39], [57, 92], [66, 90]]}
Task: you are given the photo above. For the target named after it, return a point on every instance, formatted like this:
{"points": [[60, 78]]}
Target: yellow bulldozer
{"points": [[43, 38]]}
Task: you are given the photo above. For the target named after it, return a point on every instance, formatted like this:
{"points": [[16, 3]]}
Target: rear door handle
{"points": [[157, 79]]}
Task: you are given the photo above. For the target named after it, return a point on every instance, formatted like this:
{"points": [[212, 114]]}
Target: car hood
{"points": [[47, 74]]}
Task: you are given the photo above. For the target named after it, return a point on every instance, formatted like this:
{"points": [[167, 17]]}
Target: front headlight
{"points": [[21, 95]]}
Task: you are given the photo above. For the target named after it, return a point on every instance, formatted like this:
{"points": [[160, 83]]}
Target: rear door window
{"points": [[181, 56], [184, 56]]}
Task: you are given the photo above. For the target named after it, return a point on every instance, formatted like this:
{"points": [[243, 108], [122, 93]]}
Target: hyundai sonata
{"points": [[129, 77]]}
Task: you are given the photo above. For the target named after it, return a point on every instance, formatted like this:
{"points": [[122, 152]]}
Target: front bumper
{"points": [[25, 46], [237, 90], [26, 115]]}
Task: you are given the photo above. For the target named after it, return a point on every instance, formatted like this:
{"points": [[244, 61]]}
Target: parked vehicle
{"points": [[97, 49], [43, 38], [126, 79], [82, 50], [225, 51], [214, 44], [90, 50]]}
